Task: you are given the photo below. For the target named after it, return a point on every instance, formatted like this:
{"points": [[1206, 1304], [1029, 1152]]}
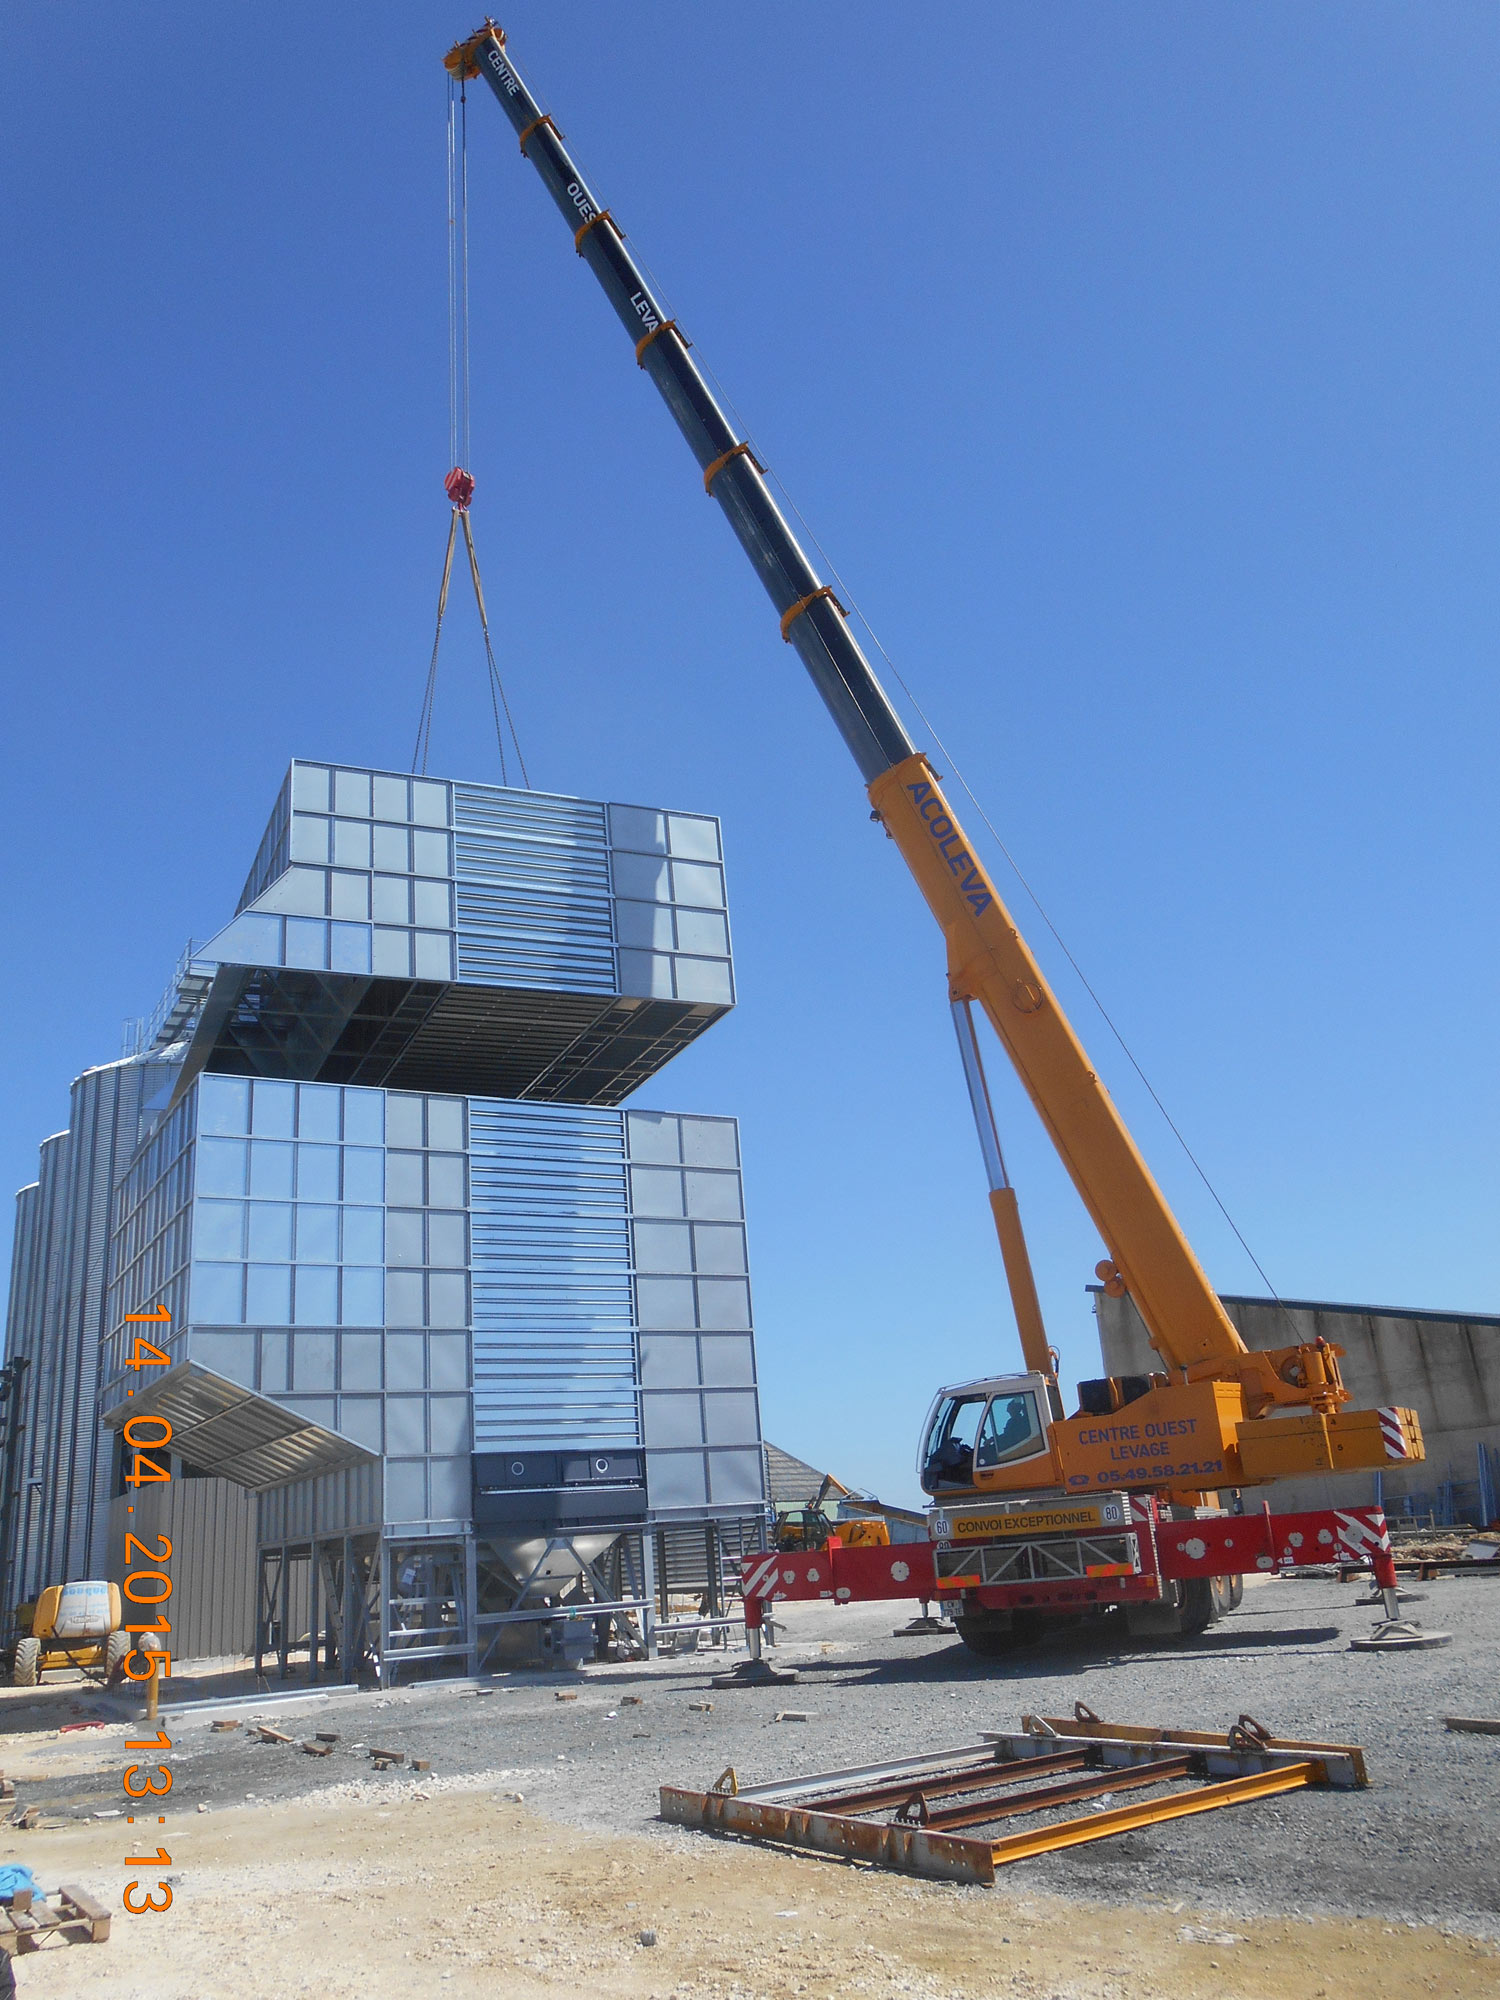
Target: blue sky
{"points": [[1136, 366]]}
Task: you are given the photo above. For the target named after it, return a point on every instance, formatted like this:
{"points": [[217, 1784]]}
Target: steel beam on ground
{"points": [[1343, 1763], [831, 1811], [1151, 1812], [945, 1857], [1039, 1798], [828, 1785], [981, 1776]]}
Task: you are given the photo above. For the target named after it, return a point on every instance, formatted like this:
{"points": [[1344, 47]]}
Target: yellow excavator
{"points": [[1019, 1484]]}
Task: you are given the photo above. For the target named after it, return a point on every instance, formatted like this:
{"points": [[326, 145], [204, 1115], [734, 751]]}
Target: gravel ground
{"points": [[1421, 1845]]}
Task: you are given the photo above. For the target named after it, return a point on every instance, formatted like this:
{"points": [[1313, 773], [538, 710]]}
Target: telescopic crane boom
{"points": [[1217, 1383]]}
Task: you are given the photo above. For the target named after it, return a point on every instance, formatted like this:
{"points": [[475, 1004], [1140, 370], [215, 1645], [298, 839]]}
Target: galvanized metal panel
{"points": [[534, 901], [340, 1503], [57, 1322], [211, 1525], [554, 1323]]}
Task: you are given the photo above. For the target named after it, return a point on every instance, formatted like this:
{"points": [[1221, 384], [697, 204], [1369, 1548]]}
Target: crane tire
{"points": [[1228, 1593], [1200, 1605], [986, 1640], [27, 1669], [116, 1648]]}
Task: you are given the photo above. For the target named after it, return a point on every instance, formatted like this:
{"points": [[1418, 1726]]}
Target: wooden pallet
{"points": [[26, 1919]]}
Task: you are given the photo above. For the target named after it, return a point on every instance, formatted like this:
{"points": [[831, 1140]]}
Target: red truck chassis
{"points": [[1031, 1557]]}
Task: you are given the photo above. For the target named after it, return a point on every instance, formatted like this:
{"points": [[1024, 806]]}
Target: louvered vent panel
{"points": [[534, 903], [554, 1340]]}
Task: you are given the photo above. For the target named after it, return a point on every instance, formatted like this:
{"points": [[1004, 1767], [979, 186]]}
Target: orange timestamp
{"points": [[148, 1587]]}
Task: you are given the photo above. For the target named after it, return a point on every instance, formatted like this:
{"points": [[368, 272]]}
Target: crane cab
{"points": [[988, 1436]]}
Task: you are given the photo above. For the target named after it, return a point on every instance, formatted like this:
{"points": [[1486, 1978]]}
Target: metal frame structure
{"points": [[908, 1814], [339, 1602]]}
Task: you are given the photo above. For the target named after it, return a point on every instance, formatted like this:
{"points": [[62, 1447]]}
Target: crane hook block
{"points": [[459, 487]]}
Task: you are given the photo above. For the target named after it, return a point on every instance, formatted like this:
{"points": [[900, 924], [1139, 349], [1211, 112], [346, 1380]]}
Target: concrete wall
{"points": [[1444, 1366]]}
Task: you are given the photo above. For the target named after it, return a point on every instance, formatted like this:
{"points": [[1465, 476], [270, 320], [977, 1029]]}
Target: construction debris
{"points": [[316, 1749], [219, 1727], [269, 1735], [1477, 1725]]}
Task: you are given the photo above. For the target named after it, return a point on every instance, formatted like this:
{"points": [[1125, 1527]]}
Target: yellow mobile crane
{"points": [[1140, 1450]]}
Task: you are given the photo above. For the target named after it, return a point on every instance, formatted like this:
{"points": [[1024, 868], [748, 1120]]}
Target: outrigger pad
{"points": [[754, 1674], [1399, 1635]]}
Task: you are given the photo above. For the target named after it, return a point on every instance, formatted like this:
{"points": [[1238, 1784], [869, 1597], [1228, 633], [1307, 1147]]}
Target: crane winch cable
{"points": [[459, 484]]}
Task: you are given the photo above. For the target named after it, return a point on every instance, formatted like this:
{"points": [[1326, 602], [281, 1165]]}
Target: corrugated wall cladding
{"points": [[57, 1322], [211, 1526], [554, 1340], [28, 1277], [534, 901], [340, 1503]]}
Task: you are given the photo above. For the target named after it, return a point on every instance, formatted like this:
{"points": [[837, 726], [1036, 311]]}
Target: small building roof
{"points": [[792, 1482]]}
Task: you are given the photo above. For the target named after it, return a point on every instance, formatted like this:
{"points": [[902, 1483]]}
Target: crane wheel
{"points": [[1229, 1592], [987, 1638], [1202, 1605], [27, 1669], [116, 1648]]}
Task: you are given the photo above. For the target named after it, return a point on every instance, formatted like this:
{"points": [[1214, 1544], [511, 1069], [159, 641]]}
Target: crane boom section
{"points": [[840, 672], [988, 959]]}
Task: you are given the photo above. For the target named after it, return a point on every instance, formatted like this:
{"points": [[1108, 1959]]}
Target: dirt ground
{"points": [[530, 1859], [471, 1894]]}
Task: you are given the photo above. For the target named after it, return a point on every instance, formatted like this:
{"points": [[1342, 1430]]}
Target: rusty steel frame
{"points": [[1345, 1762], [1037, 1798], [827, 1812], [973, 1779], [946, 1857]]}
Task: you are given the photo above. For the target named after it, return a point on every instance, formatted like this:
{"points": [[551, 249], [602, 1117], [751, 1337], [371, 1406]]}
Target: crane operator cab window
{"points": [[1011, 1430], [977, 1433]]}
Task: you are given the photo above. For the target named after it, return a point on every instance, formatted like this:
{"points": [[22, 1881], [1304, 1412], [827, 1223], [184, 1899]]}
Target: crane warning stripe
{"points": [[1393, 1432], [760, 1575]]}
